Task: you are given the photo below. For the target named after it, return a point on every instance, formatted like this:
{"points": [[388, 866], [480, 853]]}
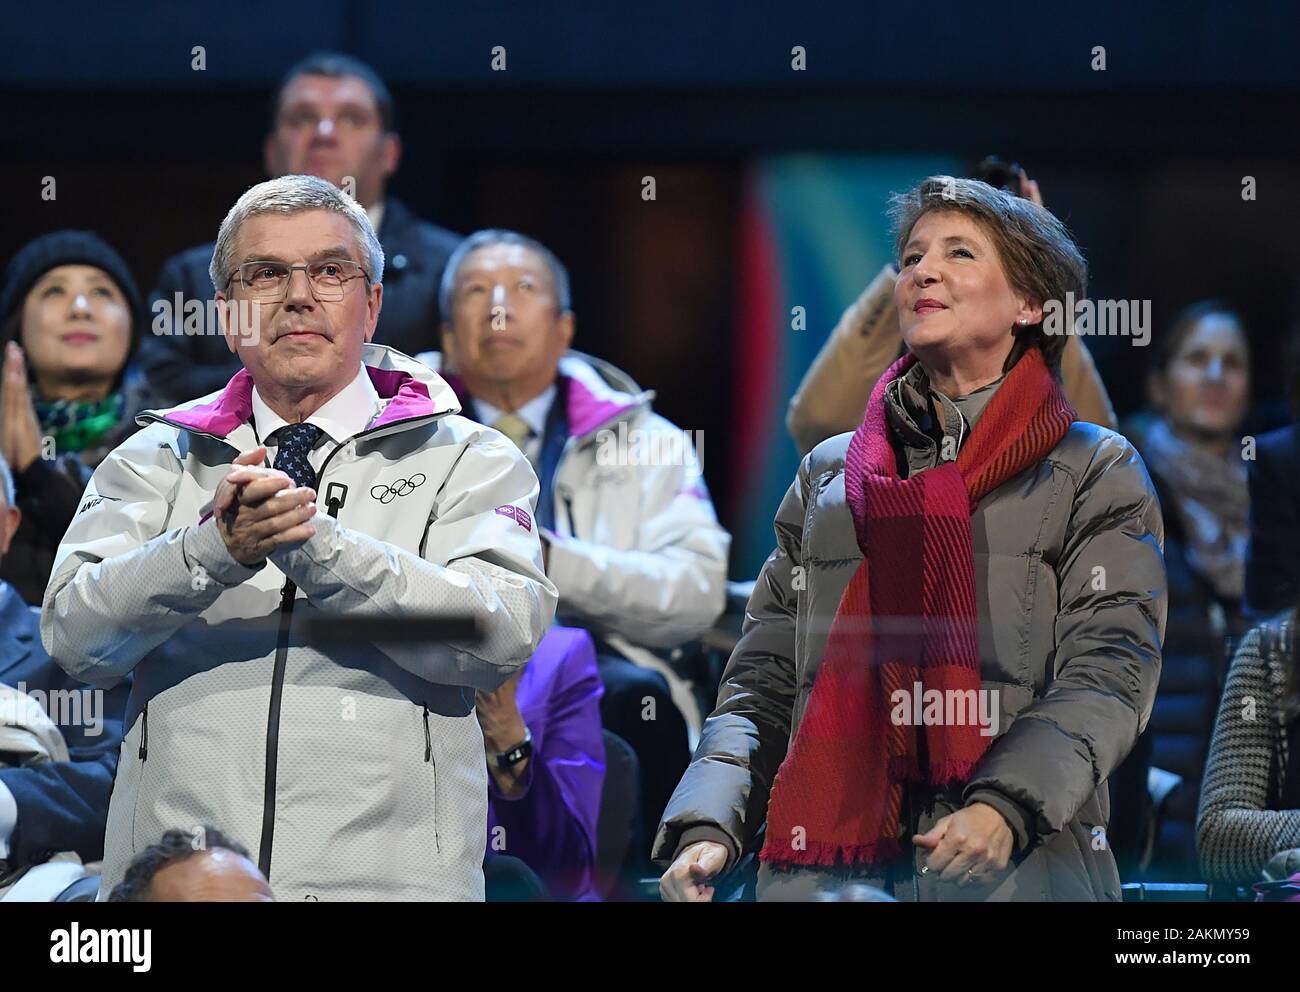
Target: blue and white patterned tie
{"points": [[294, 441]]}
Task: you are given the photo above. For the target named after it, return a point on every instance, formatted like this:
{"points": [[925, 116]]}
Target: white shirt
{"points": [[347, 412], [533, 413]]}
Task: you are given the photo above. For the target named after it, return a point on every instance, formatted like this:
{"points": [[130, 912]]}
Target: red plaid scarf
{"points": [[838, 794]]}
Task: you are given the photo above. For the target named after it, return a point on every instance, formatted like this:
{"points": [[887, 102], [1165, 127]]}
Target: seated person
{"points": [[61, 804], [546, 759], [1199, 394], [205, 866], [1250, 798], [635, 550], [69, 324]]}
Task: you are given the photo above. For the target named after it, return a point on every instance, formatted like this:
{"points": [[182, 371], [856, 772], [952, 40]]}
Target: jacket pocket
{"points": [[433, 776]]}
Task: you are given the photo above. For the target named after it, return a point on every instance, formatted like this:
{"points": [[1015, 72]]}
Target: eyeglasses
{"points": [[268, 282]]}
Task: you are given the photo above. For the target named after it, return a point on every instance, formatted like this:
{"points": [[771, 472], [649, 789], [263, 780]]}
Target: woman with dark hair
{"points": [[1250, 799], [70, 321], [1198, 387], [957, 638]]}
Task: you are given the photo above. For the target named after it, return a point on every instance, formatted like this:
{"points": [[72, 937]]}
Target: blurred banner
{"points": [[813, 233]]}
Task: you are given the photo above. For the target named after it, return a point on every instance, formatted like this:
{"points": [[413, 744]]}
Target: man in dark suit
{"points": [[48, 806], [332, 117], [1273, 557]]}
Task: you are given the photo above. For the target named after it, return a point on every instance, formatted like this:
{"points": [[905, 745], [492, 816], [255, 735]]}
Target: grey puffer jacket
{"points": [[1070, 585]]}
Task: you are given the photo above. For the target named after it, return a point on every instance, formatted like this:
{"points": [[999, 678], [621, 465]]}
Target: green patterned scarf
{"points": [[76, 425]]}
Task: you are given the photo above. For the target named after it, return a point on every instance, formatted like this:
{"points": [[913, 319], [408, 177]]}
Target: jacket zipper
{"points": [[568, 513], [287, 596], [144, 734], [433, 767]]}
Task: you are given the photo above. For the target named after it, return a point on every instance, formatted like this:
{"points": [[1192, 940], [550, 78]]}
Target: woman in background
{"points": [[1199, 392], [69, 324]]}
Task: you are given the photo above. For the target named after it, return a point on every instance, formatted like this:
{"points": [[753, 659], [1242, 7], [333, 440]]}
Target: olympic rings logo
{"points": [[386, 494]]}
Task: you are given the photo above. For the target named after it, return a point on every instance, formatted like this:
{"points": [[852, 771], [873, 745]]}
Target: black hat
{"points": [[68, 248]]}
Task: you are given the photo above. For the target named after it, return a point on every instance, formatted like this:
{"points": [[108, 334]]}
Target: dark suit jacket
{"points": [[1273, 559], [181, 367], [62, 805]]}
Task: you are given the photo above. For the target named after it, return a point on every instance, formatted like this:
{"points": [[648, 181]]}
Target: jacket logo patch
{"points": [[518, 515], [95, 501], [386, 494]]}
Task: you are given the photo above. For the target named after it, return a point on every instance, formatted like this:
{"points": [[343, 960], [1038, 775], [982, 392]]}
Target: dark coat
{"points": [[1074, 663], [1273, 559], [62, 805], [1201, 632], [184, 367]]}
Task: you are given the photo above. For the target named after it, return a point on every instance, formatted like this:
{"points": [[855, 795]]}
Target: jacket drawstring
{"points": [[144, 734], [428, 741]]}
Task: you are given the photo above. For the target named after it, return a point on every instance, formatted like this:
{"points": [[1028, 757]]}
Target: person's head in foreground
{"points": [[950, 652], [204, 866], [301, 260]]}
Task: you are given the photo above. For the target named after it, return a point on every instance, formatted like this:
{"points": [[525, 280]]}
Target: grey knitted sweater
{"points": [[1238, 825]]}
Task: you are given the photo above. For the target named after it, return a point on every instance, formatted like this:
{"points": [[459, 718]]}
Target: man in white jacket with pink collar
{"points": [[631, 539], [331, 477]]}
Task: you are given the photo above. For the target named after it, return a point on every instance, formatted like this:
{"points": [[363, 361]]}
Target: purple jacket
{"points": [[551, 826]]}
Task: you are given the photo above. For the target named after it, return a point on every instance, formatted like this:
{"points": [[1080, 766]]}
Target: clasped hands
{"points": [[258, 509]]}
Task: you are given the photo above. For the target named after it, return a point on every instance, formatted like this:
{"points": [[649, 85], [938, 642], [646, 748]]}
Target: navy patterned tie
{"points": [[293, 442]]}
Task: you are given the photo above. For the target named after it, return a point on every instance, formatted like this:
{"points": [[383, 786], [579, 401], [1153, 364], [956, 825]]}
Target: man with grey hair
{"points": [[333, 117], [632, 541], [354, 769]]}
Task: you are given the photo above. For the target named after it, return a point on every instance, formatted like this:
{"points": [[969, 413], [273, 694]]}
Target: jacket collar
{"points": [[17, 630], [597, 393], [910, 404], [412, 390]]}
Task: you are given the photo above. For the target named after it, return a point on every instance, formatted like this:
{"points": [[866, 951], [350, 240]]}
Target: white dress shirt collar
{"points": [[533, 413], [347, 412]]}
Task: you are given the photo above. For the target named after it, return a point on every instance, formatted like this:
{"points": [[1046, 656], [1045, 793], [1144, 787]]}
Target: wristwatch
{"points": [[516, 754]]}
